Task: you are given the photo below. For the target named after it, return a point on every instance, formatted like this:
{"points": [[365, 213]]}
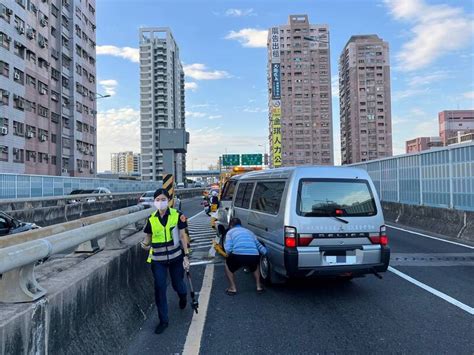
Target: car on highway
{"points": [[10, 225], [180, 185], [314, 221], [146, 199], [99, 190]]}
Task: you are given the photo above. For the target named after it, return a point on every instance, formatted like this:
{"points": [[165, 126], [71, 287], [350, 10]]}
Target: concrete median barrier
{"points": [[93, 306], [448, 222]]}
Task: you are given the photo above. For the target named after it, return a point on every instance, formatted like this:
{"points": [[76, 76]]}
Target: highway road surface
{"points": [[423, 304]]}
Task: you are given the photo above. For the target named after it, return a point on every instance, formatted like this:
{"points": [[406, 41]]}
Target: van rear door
{"points": [[338, 214]]}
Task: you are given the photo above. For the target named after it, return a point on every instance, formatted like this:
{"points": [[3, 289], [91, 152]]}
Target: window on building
{"points": [[5, 40], [4, 69], [18, 155]]}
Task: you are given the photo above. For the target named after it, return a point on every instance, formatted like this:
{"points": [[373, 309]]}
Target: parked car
{"points": [[180, 185], [147, 200], [10, 225], [314, 221]]}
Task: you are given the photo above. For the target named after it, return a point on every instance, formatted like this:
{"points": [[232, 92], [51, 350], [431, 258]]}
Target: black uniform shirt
{"points": [[182, 221]]}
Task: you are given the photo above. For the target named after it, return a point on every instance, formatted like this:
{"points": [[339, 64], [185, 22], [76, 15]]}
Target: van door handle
{"points": [[259, 226]]}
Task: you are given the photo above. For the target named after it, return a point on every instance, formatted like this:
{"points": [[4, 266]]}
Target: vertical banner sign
{"points": [[276, 134], [275, 112]]}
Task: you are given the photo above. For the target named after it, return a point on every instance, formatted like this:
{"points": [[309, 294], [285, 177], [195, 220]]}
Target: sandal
{"points": [[230, 293], [262, 290]]}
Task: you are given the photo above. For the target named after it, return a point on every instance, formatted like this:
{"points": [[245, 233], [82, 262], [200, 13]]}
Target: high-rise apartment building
{"points": [[161, 99], [48, 87], [454, 123], [125, 163], [299, 82], [364, 96]]}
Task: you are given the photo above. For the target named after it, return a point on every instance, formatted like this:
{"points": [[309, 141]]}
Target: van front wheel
{"points": [[267, 274]]}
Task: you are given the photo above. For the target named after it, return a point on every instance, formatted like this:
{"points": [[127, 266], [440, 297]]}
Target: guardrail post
{"points": [[113, 240], [20, 285]]}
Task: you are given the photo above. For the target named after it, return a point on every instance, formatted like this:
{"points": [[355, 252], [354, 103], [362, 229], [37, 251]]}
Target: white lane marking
{"points": [[433, 291], [196, 329], [430, 236], [197, 214], [203, 262], [201, 247]]}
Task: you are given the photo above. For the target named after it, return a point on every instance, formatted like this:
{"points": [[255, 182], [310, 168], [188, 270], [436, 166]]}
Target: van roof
{"points": [[308, 172]]}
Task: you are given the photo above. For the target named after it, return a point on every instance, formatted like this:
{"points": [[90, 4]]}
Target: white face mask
{"points": [[161, 205]]}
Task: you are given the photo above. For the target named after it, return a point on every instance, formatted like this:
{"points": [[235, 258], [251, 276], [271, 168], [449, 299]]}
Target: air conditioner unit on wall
{"points": [[16, 76], [43, 138], [30, 134], [3, 131]]}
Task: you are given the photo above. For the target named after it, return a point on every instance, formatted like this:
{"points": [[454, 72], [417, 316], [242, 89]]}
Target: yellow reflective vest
{"points": [[165, 241]]}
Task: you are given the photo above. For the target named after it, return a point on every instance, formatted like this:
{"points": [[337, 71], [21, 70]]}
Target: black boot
{"points": [[182, 301], [160, 328]]}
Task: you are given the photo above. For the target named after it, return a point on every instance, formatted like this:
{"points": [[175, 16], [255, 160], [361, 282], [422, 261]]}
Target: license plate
{"points": [[340, 259]]}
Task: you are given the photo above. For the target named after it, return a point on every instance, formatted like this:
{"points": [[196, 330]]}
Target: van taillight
{"points": [[305, 239], [382, 238], [290, 237]]}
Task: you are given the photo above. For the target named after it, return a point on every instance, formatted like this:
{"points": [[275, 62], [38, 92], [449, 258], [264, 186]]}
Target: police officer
{"points": [[166, 239]]}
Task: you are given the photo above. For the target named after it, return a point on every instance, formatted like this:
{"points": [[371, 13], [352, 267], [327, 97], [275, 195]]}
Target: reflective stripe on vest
{"points": [[164, 240]]}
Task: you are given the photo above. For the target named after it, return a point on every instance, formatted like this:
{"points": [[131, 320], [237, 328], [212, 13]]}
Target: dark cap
{"points": [[159, 192]]}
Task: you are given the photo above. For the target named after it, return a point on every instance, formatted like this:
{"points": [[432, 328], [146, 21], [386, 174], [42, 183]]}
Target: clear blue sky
{"points": [[222, 47]]}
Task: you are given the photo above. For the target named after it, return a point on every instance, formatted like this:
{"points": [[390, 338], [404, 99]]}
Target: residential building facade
{"points": [[48, 87], [299, 83], [422, 143], [125, 163], [365, 103], [454, 123], [161, 99]]}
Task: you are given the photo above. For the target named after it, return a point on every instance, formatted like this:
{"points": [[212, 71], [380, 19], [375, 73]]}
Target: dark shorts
{"points": [[235, 262]]}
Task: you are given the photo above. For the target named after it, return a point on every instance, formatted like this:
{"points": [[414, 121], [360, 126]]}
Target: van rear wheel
{"points": [[267, 274]]}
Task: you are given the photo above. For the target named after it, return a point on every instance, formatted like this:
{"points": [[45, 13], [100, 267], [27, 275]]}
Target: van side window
{"points": [[267, 197], [228, 192], [244, 193]]}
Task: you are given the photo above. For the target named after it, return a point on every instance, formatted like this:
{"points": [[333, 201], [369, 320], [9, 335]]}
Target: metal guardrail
{"points": [[17, 262]]}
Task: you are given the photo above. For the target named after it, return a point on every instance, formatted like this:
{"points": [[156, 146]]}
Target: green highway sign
{"points": [[252, 159], [231, 160]]}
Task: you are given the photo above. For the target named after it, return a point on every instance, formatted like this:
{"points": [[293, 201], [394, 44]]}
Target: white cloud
{"points": [[129, 53], [250, 37], [199, 71], [240, 12], [194, 114], [215, 117], [335, 86], [208, 143], [109, 86], [421, 80], [255, 109], [118, 130], [436, 31], [469, 95], [190, 86], [408, 93]]}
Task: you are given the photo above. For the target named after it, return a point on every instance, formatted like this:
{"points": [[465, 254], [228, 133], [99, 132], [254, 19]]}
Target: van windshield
{"points": [[335, 197]]}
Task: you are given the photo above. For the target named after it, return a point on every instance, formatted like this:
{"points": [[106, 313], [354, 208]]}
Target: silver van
{"points": [[314, 221]]}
